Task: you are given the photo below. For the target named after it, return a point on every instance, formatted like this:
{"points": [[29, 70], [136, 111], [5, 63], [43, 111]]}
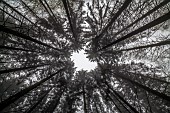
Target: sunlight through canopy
{"points": [[81, 62]]}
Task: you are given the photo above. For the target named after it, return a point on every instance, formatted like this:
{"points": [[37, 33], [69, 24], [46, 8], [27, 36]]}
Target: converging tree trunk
{"points": [[5, 103]]}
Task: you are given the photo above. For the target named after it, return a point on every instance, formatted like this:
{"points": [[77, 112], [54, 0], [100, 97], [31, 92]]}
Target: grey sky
{"points": [[81, 62]]}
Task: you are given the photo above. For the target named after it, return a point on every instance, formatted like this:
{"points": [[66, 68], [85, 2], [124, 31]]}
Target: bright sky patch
{"points": [[81, 62]]}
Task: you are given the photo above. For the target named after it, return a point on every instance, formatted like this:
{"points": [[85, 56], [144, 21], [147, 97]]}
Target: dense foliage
{"points": [[129, 40]]}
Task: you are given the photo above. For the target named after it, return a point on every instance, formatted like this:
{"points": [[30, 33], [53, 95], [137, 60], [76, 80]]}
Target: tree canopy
{"points": [[128, 39]]}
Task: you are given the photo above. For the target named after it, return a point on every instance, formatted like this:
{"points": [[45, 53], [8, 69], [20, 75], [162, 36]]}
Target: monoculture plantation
{"points": [[129, 40]]}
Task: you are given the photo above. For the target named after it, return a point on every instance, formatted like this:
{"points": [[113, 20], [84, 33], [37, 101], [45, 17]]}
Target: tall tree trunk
{"points": [[29, 9], [149, 77], [166, 42], [51, 11], [141, 29], [154, 92], [96, 108], [84, 99], [122, 99], [55, 101], [46, 9], [143, 16], [21, 35], [66, 3], [17, 11], [123, 7], [5, 103], [14, 48], [19, 69], [38, 102], [149, 105], [123, 104], [117, 107], [107, 93]]}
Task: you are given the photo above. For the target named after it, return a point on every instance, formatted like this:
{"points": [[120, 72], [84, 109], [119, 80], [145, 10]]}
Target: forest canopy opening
{"points": [[82, 62], [43, 41]]}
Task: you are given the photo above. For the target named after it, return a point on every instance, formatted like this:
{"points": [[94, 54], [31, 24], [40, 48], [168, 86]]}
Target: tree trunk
{"points": [[16, 11], [53, 15], [122, 99], [143, 16], [84, 99], [154, 92], [5, 103], [107, 93], [156, 79], [115, 103], [21, 68], [166, 42], [46, 8], [18, 34], [37, 103], [66, 3], [13, 48], [54, 102], [141, 29], [123, 7], [29, 9]]}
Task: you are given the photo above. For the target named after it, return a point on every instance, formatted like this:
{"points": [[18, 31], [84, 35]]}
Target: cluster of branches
{"points": [[128, 39]]}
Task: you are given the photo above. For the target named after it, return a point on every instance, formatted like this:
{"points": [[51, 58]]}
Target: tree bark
{"points": [[122, 99], [156, 79], [17, 11], [55, 102], [50, 10], [21, 68], [154, 92], [29, 9], [115, 103], [141, 29], [66, 3], [37, 103], [14, 48], [84, 99], [162, 43], [143, 16], [107, 93], [123, 7], [18, 34], [5, 103]]}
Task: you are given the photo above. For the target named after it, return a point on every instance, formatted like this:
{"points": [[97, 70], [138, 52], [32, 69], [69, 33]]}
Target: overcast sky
{"points": [[81, 62]]}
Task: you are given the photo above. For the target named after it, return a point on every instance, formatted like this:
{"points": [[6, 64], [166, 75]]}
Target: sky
{"points": [[81, 62]]}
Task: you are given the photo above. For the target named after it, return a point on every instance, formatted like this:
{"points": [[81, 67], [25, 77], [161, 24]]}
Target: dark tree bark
{"points": [[108, 92], [55, 101], [50, 11], [29, 9], [18, 34], [145, 15], [122, 99], [46, 9], [117, 107], [14, 48], [123, 7], [38, 102], [16, 11], [162, 43], [148, 77], [154, 92], [66, 3], [84, 99], [5, 103], [19, 69], [141, 29]]}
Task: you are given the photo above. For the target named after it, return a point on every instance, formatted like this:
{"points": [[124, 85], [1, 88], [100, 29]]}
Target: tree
{"points": [[128, 39]]}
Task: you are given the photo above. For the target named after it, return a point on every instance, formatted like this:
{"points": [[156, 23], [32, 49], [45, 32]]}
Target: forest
{"points": [[128, 39]]}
